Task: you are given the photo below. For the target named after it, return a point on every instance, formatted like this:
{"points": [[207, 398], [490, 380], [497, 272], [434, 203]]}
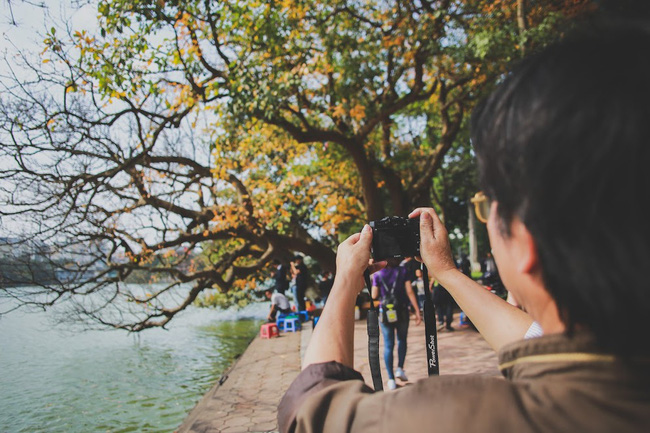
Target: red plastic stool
{"points": [[269, 330]]}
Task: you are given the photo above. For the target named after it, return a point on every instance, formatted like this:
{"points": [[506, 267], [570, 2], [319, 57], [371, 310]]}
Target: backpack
{"points": [[390, 305]]}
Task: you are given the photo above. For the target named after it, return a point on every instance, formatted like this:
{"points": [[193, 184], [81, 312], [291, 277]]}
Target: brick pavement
{"points": [[247, 401], [462, 351]]}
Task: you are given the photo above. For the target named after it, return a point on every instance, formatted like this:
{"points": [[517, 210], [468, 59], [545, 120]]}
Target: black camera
{"points": [[395, 237]]}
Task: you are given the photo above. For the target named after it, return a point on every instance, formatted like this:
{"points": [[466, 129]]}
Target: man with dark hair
{"points": [[279, 303], [563, 147], [563, 150]]}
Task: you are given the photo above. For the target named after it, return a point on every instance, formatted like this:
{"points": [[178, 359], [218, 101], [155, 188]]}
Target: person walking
{"points": [[418, 284], [392, 287]]}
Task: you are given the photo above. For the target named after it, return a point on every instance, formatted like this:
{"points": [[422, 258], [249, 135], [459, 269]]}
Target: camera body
{"points": [[395, 237]]}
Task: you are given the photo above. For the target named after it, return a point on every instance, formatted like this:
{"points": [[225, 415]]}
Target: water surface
{"points": [[56, 380]]}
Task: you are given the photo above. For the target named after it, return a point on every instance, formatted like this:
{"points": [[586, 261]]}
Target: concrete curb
{"points": [[247, 400]]}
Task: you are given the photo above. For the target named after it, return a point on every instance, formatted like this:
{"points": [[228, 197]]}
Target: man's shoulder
{"points": [[277, 296]]}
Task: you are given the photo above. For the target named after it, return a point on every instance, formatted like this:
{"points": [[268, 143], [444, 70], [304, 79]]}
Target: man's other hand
{"points": [[435, 249]]}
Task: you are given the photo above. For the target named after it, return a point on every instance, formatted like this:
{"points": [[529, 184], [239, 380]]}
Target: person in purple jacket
{"points": [[393, 288]]}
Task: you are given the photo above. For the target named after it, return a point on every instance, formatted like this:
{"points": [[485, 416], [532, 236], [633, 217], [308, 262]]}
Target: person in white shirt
{"points": [[279, 302]]}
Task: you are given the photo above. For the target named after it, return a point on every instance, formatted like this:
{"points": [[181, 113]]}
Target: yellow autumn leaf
{"points": [[339, 111], [358, 112]]}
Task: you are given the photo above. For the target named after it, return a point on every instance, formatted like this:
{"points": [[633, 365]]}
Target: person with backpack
{"points": [[393, 288]]}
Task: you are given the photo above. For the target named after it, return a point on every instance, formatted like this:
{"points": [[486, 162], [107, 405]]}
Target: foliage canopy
{"points": [[200, 140]]}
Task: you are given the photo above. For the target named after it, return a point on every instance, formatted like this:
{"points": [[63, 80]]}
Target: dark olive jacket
{"points": [[553, 384]]}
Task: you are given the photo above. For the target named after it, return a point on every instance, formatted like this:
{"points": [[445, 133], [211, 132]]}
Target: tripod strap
{"points": [[373, 339], [430, 330]]}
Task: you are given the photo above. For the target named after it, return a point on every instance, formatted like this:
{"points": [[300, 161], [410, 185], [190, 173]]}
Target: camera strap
{"points": [[373, 338], [430, 330], [431, 333]]}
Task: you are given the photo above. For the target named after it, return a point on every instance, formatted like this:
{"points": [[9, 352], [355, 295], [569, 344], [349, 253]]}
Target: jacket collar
{"points": [[550, 351]]}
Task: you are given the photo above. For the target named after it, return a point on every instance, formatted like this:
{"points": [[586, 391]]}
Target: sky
{"points": [[33, 17], [23, 28]]}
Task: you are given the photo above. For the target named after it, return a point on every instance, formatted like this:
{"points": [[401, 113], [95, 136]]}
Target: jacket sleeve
{"points": [[332, 398], [312, 380]]}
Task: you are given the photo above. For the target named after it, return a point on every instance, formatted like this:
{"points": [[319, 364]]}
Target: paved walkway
{"points": [[247, 400]]}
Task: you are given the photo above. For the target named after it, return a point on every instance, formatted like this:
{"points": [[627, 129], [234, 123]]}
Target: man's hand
{"points": [[334, 339], [353, 257], [435, 249]]}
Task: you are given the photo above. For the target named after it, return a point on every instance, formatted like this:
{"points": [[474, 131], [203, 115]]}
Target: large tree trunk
{"points": [[398, 196], [421, 198], [371, 197]]}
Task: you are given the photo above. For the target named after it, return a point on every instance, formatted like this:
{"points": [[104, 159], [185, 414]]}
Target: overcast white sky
{"points": [[33, 17]]}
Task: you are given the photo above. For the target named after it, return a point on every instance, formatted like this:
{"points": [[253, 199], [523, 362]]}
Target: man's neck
{"points": [[546, 313]]}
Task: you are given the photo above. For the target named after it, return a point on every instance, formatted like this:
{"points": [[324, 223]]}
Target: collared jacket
{"points": [[552, 384]]}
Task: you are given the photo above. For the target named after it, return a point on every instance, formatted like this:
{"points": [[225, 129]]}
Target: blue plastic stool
{"points": [[281, 319], [463, 318], [304, 315], [292, 324], [316, 320]]}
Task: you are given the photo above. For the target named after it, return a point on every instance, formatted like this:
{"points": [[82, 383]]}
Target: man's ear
{"points": [[525, 248]]}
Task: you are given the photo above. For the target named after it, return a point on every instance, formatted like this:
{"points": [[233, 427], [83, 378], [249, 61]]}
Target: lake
{"points": [[56, 380]]}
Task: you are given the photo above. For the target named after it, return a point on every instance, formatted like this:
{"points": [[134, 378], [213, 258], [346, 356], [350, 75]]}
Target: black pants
{"points": [[300, 293], [274, 312], [445, 313], [281, 287]]}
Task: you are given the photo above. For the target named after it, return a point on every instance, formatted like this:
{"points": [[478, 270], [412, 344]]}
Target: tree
{"points": [[198, 140]]}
